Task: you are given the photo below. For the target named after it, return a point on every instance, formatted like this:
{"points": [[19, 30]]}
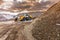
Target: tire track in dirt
{"points": [[6, 31], [13, 31], [6, 35], [17, 32], [13, 34]]}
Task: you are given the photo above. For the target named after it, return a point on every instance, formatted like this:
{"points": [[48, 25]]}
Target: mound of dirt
{"points": [[47, 26]]}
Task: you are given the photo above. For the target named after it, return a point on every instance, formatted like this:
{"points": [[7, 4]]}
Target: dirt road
{"points": [[12, 31]]}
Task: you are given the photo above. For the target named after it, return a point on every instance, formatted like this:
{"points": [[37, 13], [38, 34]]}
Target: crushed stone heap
{"points": [[47, 26]]}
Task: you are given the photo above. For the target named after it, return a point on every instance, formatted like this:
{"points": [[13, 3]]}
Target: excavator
{"points": [[24, 17]]}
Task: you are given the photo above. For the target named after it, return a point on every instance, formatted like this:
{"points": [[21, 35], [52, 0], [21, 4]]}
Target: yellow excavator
{"points": [[24, 17]]}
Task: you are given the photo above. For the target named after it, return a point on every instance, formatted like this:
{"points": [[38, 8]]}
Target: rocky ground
{"points": [[45, 27]]}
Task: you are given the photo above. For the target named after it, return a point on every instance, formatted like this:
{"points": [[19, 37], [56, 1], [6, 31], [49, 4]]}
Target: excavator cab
{"points": [[25, 17]]}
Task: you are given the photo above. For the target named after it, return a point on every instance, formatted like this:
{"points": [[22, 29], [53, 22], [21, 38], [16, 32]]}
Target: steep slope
{"points": [[47, 26]]}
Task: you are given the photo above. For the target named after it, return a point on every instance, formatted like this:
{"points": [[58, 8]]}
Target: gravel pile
{"points": [[47, 26]]}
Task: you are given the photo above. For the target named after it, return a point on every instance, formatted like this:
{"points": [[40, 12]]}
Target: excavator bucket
{"points": [[24, 17]]}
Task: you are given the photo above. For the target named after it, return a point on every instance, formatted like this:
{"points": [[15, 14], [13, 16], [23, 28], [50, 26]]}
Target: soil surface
{"points": [[47, 26]]}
